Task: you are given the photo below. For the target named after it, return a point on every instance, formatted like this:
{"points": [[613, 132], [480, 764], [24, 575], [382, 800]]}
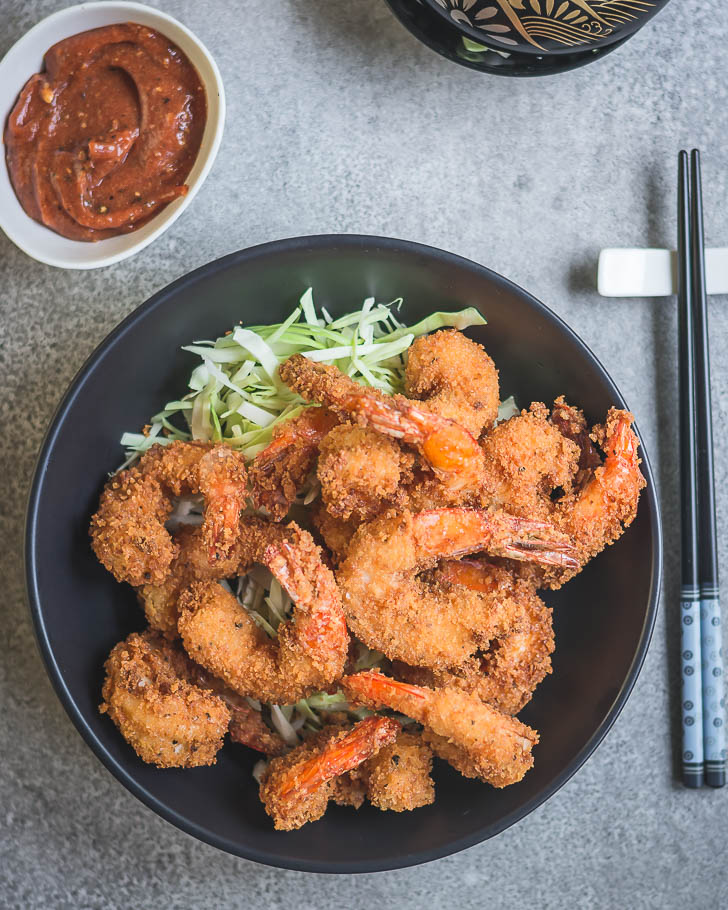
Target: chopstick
{"points": [[702, 703], [714, 743], [690, 654]]}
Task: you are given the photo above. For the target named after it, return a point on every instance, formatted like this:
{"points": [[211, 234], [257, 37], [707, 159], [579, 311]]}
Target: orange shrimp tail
{"points": [[622, 442], [446, 445], [309, 428], [323, 629], [539, 542], [620, 475], [450, 448], [343, 755], [376, 688], [443, 530], [381, 415]]}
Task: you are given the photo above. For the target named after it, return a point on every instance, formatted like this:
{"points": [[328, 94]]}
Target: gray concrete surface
{"points": [[339, 121]]}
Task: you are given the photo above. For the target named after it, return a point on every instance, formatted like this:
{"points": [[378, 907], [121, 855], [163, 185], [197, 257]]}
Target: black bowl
{"points": [[545, 27], [603, 619], [448, 41]]}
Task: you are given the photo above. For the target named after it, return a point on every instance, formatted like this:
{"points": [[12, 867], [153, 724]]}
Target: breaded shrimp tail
{"points": [[391, 608], [128, 533], [473, 737], [310, 649], [297, 787]]}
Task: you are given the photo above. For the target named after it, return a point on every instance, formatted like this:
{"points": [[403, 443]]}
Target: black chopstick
{"points": [[714, 743], [690, 657]]}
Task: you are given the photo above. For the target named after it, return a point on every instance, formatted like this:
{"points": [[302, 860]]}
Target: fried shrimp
{"points": [[310, 649], [280, 470], [456, 379], [168, 720], [392, 610], [336, 533], [448, 449], [526, 459], [505, 676], [297, 787], [128, 533], [361, 471], [530, 457], [398, 778], [597, 514], [160, 602], [473, 737]]}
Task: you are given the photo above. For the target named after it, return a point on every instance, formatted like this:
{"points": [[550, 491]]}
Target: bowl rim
{"points": [[314, 243], [524, 48], [171, 212]]}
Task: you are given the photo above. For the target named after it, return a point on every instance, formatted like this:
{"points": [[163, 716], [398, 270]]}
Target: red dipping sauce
{"points": [[101, 140]]}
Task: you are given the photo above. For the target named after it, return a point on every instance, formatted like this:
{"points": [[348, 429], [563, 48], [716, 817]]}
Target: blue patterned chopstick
{"points": [[693, 755], [714, 744], [714, 741]]}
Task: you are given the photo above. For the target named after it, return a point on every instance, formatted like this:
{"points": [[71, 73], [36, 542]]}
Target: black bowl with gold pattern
{"points": [[546, 27], [446, 40]]}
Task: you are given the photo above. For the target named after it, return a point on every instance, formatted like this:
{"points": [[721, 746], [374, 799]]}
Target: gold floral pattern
{"points": [[544, 23]]}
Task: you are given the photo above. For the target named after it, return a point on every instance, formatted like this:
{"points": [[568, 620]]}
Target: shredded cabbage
{"points": [[283, 725], [236, 394], [507, 409], [259, 769]]}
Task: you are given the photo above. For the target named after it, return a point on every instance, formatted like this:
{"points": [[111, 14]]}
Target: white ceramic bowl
{"points": [[26, 58]]}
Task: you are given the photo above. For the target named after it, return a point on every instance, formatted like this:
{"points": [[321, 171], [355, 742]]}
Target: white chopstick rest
{"points": [[653, 273]]}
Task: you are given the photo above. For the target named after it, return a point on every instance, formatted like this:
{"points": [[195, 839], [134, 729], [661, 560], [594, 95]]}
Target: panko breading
{"points": [[169, 721], [128, 533], [392, 609], [519, 657], [526, 459], [361, 472], [571, 422], [398, 777], [455, 377], [160, 602], [335, 532]]}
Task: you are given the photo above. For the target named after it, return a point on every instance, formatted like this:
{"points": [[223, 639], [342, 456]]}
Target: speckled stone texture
{"points": [[339, 121]]}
